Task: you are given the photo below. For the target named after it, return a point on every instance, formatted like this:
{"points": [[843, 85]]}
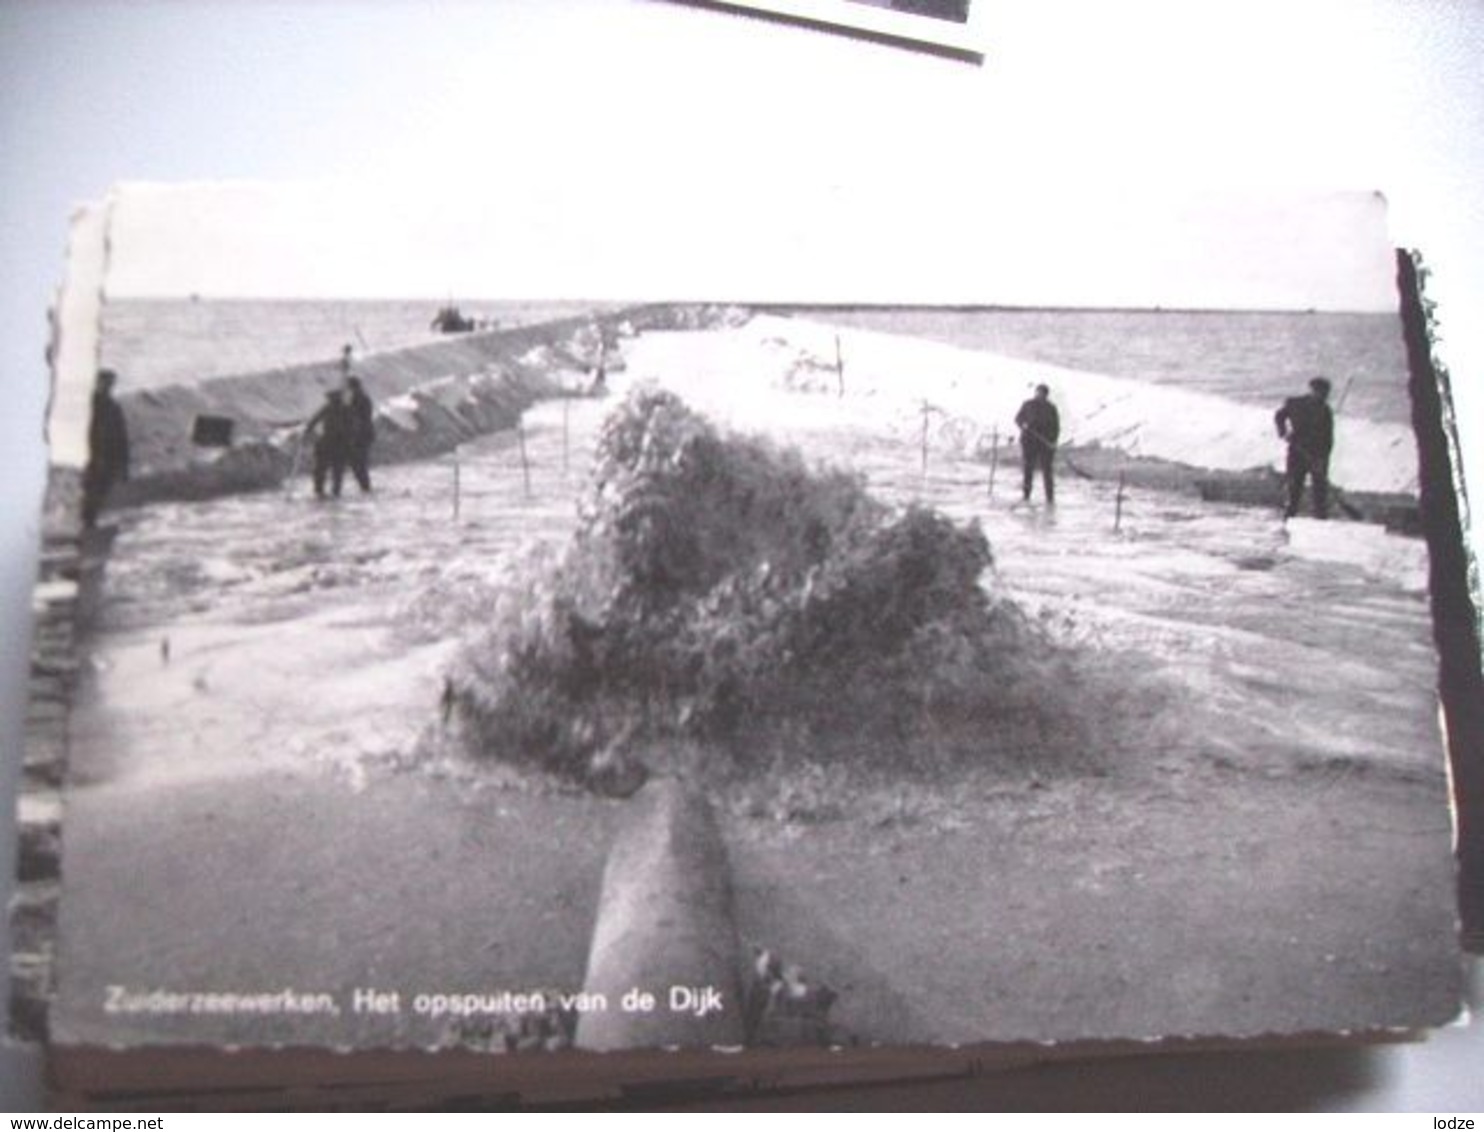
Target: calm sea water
{"points": [[1252, 358], [153, 342]]}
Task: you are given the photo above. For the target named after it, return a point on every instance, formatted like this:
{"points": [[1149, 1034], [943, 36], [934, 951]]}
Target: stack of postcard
{"points": [[544, 695]]}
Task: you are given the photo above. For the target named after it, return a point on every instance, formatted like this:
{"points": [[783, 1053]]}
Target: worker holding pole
{"points": [[1040, 428]]}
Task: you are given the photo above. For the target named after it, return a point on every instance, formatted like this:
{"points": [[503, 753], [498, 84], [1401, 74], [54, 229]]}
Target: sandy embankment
{"points": [[1157, 435], [430, 398]]}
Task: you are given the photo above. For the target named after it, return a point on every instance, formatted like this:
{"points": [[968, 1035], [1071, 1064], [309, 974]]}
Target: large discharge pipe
{"points": [[664, 947]]}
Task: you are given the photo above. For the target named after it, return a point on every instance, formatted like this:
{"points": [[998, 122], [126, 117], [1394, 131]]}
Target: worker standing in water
{"points": [[1040, 428], [1307, 423], [362, 431], [331, 429]]}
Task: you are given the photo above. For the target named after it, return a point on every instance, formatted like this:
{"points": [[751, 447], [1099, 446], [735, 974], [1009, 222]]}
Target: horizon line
{"points": [[768, 304]]}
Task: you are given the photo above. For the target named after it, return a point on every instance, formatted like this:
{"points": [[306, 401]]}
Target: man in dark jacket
{"points": [[362, 432], [108, 448], [1308, 424], [1040, 428], [331, 429]]}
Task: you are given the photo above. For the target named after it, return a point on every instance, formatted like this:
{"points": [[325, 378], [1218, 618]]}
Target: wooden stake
{"points": [[994, 457], [926, 408], [456, 489], [566, 430], [839, 368], [1118, 504], [525, 463]]}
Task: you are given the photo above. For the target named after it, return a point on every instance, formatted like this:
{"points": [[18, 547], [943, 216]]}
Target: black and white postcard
{"points": [[595, 669]]}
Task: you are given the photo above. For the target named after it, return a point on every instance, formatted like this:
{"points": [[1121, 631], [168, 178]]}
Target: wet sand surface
{"points": [[1262, 844], [1199, 904], [271, 806]]}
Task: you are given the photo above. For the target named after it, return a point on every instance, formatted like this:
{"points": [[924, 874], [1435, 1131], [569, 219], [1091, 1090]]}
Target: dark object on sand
{"points": [[1260, 490], [212, 432], [1269, 490], [450, 320]]}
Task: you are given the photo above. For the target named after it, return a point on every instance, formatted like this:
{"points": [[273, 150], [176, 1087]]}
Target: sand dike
{"points": [[429, 399], [721, 593]]}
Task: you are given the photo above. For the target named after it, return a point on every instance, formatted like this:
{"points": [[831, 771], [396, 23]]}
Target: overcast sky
{"points": [[977, 245]]}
